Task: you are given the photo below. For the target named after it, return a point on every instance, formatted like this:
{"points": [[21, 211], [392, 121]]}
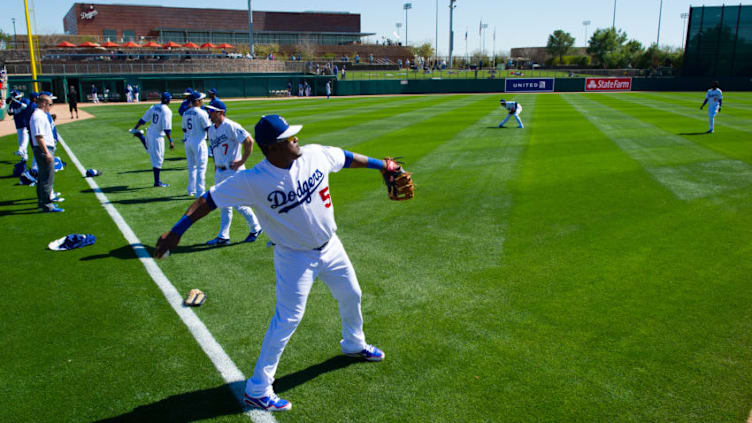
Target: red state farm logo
{"points": [[608, 84]]}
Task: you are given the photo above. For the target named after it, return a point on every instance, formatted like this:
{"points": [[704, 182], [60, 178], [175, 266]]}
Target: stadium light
{"points": [[15, 37], [398, 25], [684, 17], [436, 40], [451, 31], [613, 25], [250, 29], [406, 6], [586, 24], [660, 14]]}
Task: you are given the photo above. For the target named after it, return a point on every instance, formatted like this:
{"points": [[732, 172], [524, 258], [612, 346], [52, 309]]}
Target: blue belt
{"points": [[322, 246]]}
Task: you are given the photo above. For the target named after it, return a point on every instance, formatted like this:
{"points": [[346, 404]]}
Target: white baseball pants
{"points": [[516, 116], [711, 118], [155, 146], [23, 143], [197, 156], [296, 271], [225, 219]]}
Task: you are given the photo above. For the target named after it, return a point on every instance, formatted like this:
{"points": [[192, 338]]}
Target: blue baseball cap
{"points": [[166, 96], [216, 106], [16, 94], [196, 95], [48, 94], [271, 129], [213, 91], [188, 91], [33, 95]]}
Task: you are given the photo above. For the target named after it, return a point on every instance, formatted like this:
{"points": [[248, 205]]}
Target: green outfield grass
{"points": [[460, 74], [592, 267]]}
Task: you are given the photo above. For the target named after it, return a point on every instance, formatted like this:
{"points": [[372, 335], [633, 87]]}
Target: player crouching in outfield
{"points": [[289, 191], [514, 109], [159, 117], [225, 138]]}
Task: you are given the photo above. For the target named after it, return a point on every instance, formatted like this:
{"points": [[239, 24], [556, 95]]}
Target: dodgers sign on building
{"points": [[608, 84], [526, 85]]}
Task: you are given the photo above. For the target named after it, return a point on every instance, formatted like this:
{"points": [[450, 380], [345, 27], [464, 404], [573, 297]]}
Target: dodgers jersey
{"points": [[714, 97], [225, 142], [293, 205], [195, 122], [159, 117], [511, 106], [21, 111]]}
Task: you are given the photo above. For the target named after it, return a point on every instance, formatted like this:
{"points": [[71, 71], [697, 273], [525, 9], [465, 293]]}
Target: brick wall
{"points": [[144, 20]]}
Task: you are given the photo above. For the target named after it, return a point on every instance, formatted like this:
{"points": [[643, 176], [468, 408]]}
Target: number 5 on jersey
{"points": [[325, 197]]}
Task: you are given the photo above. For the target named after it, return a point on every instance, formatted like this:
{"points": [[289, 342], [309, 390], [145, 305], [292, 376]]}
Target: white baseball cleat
{"points": [[268, 403], [369, 353]]}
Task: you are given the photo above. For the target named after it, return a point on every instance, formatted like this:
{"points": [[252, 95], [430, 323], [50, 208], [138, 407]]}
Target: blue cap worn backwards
{"points": [[216, 106], [166, 96], [274, 128], [213, 91]]}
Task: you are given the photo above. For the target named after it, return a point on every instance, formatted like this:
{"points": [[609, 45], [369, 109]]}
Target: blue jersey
{"points": [[21, 111], [185, 105]]}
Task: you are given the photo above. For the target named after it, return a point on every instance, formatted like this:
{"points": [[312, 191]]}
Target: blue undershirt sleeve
{"points": [[348, 158]]}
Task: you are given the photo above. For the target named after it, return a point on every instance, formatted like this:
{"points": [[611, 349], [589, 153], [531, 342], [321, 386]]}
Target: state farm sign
{"points": [[608, 84]]}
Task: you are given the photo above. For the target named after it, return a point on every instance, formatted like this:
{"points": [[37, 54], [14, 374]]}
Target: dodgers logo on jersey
{"points": [[294, 198], [215, 142]]}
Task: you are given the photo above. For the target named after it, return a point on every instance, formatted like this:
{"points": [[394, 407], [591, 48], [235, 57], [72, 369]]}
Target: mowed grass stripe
{"points": [[690, 171], [727, 118]]}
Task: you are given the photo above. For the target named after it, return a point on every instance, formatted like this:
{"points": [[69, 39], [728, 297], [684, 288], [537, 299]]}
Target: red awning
{"points": [[66, 44], [152, 44], [88, 44], [208, 45], [190, 45], [225, 45], [110, 44], [131, 44], [171, 44]]}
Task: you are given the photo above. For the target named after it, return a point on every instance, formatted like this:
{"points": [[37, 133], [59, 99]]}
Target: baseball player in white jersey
{"points": [[225, 139], [159, 117], [195, 124], [514, 108], [714, 99], [289, 191]]}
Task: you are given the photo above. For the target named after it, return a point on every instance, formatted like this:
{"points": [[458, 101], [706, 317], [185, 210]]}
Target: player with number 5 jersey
{"points": [[195, 125], [226, 137]]}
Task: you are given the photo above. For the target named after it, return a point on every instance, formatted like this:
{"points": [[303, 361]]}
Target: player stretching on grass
{"points": [[289, 191], [514, 109], [714, 99]]}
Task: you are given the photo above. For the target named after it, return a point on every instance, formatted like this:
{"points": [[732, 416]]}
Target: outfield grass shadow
{"points": [[187, 407], [287, 382], [150, 200], [30, 210], [174, 159], [126, 252], [116, 188], [694, 133], [17, 202], [171, 169]]}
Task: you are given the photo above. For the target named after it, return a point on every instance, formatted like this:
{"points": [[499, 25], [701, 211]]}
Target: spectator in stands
{"points": [[370, 58], [357, 58], [73, 101]]}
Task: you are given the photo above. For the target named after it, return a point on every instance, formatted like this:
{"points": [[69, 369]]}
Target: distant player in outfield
{"points": [[514, 108], [226, 139], [195, 125], [714, 99], [159, 117]]}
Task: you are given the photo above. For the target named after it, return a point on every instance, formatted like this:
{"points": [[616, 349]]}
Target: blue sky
{"points": [[520, 23]]}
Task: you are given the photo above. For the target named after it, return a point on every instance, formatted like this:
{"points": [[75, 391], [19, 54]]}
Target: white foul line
{"points": [[227, 368]]}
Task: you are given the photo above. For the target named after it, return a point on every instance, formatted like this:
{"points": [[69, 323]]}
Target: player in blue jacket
{"points": [[20, 108], [186, 104]]}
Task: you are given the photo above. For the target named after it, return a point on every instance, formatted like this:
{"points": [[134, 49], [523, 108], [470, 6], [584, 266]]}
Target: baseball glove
{"points": [[399, 183], [194, 298]]}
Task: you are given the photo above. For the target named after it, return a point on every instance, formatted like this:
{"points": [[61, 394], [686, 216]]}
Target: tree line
{"points": [[611, 49]]}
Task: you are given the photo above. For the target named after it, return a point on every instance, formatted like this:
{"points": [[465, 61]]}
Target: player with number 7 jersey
{"points": [[225, 140]]}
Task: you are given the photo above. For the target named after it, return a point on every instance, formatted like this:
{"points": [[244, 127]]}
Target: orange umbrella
{"points": [[110, 44], [131, 44], [190, 45], [88, 44], [208, 45], [152, 44], [66, 44], [225, 45], [171, 44]]}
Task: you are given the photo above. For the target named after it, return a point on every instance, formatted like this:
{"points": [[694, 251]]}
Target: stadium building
{"points": [[123, 23], [719, 41]]}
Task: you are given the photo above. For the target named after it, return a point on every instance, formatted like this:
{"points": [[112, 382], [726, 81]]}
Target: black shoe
{"points": [[253, 235], [218, 241]]}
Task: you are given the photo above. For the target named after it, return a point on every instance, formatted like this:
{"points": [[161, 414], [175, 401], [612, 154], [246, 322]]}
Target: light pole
{"points": [[436, 40], [660, 14], [483, 48], [250, 29], [586, 24], [451, 31], [15, 40], [684, 17], [398, 25], [613, 25], [406, 6]]}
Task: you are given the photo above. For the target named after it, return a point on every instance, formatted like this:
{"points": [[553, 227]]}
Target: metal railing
{"points": [[487, 73], [224, 66]]}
